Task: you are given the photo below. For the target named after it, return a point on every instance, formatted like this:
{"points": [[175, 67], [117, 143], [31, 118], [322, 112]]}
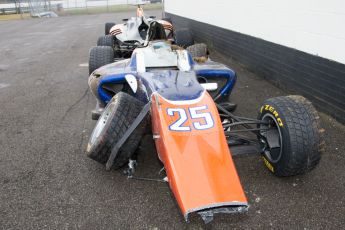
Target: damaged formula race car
{"points": [[125, 37], [162, 89]]}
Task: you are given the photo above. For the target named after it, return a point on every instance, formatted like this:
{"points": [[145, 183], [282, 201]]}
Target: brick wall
{"points": [[319, 79]]}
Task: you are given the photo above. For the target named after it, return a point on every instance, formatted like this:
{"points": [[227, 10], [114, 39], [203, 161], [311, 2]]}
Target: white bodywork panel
{"points": [[128, 31], [182, 60], [132, 82], [159, 54], [141, 68]]}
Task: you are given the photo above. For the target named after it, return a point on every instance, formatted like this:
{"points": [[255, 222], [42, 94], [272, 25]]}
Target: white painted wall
{"points": [[313, 26]]}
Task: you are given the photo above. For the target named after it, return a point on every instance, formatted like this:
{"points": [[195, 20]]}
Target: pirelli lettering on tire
{"points": [[268, 164], [291, 146], [274, 112]]}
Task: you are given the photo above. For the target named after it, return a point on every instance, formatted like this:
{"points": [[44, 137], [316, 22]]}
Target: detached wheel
{"points": [[183, 38], [198, 50], [107, 40], [107, 27], [118, 115], [100, 56], [292, 141]]}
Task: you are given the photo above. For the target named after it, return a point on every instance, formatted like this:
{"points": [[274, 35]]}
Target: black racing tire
{"points": [[198, 50], [107, 27], [183, 38], [107, 40], [294, 141], [100, 56], [117, 117]]}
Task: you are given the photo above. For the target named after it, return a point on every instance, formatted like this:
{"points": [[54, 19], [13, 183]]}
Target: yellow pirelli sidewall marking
{"points": [[268, 164], [274, 112]]}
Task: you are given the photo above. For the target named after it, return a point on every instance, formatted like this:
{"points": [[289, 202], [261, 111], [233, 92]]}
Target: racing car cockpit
{"points": [[157, 63]]}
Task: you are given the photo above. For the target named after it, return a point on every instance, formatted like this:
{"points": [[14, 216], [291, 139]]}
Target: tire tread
{"points": [[305, 134], [126, 110], [107, 40], [100, 56]]}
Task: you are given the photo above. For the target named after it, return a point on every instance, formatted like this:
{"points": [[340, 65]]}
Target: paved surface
{"points": [[47, 182]]}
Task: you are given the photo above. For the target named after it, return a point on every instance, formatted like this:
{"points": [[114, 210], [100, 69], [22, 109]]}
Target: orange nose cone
{"points": [[192, 146]]}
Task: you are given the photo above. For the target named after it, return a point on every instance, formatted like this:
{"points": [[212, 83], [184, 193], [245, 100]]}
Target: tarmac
{"points": [[47, 182]]}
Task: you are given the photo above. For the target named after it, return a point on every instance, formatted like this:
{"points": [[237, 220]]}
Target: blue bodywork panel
{"points": [[228, 74], [114, 78], [172, 84]]}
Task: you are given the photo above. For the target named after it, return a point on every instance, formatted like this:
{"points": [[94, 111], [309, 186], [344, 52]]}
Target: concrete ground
{"points": [[47, 182]]}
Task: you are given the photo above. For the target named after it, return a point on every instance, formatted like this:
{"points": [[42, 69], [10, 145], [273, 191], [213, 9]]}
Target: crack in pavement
{"points": [[74, 104]]}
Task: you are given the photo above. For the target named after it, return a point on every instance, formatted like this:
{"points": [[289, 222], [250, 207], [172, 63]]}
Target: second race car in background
{"points": [[133, 32]]}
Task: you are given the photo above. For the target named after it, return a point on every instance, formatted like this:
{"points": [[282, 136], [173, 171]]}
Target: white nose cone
{"points": [[132, 81]]}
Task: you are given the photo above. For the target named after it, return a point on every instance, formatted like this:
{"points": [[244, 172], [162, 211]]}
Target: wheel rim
{"points": [[271, 138], [101, 123]]}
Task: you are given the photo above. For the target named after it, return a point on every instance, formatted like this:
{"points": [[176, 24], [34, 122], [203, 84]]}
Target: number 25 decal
{"points": [[195, 113]]}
